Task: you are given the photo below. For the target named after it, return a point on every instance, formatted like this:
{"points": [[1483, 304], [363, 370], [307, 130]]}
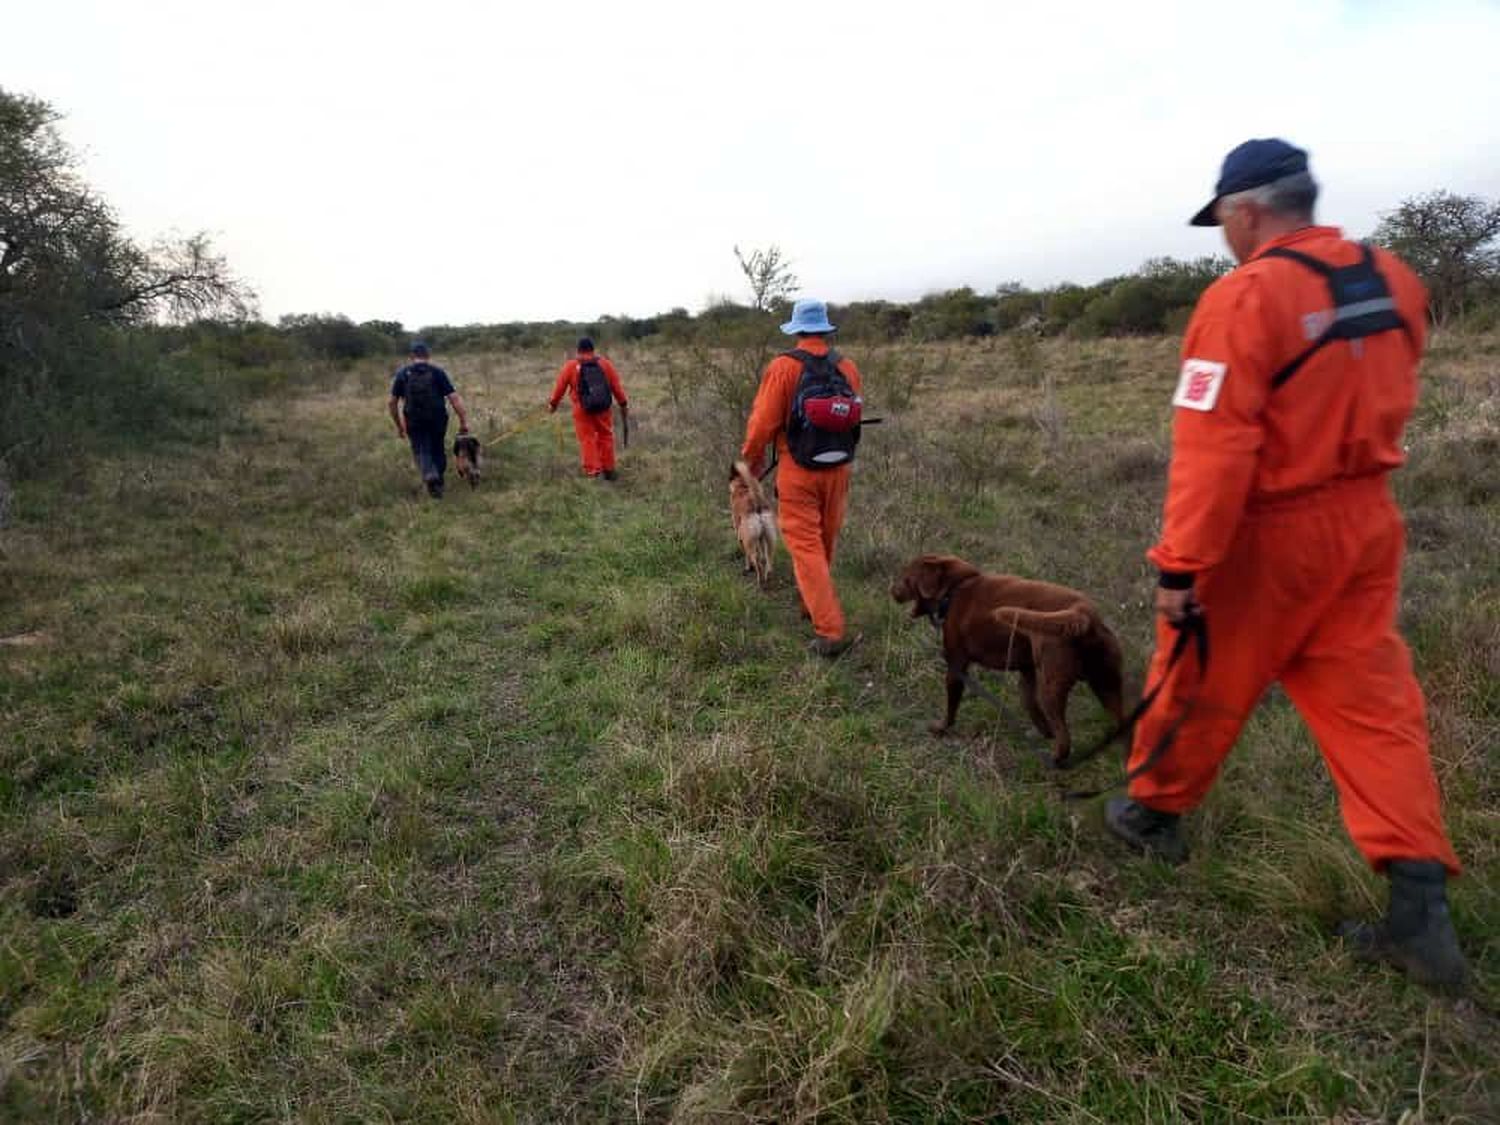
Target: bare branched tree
{"points": [[770, 277], [63, 255]]}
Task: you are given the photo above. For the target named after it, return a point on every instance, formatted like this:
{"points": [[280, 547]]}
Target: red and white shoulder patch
{"points": [[1200, 383]]}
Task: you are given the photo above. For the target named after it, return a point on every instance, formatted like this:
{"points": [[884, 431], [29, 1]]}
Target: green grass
{"points": [[324, 802]]}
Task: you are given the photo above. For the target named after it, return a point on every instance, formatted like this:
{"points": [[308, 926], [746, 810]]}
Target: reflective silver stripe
{"points": [[1363, 308]]}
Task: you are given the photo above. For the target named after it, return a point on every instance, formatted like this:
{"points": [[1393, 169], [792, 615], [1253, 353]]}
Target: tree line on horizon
{"points": [[1156, 298], [98, 332]]}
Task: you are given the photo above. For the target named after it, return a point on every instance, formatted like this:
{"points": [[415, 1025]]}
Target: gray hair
{"points": [[1292, 196]]}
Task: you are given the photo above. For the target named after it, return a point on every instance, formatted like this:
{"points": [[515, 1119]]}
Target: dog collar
{"points": [[939, 613]]}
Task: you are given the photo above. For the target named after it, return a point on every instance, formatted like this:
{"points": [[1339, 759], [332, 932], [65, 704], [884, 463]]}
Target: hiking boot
{"points": [[831, 648], [610, 474], [435, 489], [1416, 934], [1146, 830]]}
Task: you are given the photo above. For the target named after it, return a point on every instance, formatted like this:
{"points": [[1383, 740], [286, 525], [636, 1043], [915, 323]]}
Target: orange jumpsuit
{"points": [[1278, 505], [811, 501], [596, 432]]}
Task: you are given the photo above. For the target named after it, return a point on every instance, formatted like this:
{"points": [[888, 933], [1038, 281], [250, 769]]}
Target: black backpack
{"points": [[1362, 304], [424, 401], [593, 387], [823, 428]]}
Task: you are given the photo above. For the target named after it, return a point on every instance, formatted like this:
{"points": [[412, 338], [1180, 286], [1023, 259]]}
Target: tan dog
{"points": [[1051, 635], [754, 521]]}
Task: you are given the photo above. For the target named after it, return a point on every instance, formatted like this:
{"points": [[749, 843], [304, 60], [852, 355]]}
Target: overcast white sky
{"points": [[447, 162]]}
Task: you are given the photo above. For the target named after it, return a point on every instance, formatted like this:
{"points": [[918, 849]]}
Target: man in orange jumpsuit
{"points": [[593, 384], [811, 500], [1298, 376]]}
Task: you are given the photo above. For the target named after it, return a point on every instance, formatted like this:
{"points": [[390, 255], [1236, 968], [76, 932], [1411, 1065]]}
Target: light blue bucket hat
{"points": [[808, 316]]}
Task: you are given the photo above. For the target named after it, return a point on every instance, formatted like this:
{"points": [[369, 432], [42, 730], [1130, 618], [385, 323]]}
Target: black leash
{"points": [[1191, 630]]}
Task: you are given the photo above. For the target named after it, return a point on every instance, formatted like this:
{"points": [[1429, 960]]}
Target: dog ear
{"points": [[930, 577], [937, 574]]}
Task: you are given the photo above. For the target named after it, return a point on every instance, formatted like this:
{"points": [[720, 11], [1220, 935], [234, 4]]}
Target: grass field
{"points": [[323, 802]]}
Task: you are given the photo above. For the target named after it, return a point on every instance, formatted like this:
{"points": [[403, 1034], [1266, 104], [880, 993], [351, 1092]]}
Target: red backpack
{"points": [[823, 428]]}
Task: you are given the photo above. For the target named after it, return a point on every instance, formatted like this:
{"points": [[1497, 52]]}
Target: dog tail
{"points": [[747, 478], [763, 535], [1072, 622]]}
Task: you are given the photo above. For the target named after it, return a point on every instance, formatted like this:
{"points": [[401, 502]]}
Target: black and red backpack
{"points": [[822, 430]]}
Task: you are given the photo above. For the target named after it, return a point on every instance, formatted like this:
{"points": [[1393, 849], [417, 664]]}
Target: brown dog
{"points": [[466, 457], [754, 522], [1051, 635]]}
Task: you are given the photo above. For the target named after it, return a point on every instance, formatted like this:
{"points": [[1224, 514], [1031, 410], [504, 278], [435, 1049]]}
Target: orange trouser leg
{"points": [[583, 426], [835, 502], [1241, 667], [1353, 683], [1308, 596], [811, 513], [604, 439]]}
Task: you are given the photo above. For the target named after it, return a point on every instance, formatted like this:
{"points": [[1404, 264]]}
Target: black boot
{"points": [[1417, 934], [1146, 830]]}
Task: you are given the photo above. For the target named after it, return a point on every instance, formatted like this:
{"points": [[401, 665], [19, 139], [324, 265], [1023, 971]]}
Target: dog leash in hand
{"points": [[1191, 630]]}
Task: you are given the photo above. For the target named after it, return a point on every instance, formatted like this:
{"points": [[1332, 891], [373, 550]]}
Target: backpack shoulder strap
{"points": [[1323, 270], [1307, 260]]}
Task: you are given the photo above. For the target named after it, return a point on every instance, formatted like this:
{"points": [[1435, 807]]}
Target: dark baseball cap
{"points": [[1251, 165], [420, 350]]}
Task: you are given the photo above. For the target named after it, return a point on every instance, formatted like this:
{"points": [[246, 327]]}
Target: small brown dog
{"points": [[466, 457], [1051, 635], [754, 521]]}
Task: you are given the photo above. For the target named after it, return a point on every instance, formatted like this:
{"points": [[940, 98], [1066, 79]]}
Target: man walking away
{"points": [[809, 406], [1299, 372], [594, 385], [421, 388]]}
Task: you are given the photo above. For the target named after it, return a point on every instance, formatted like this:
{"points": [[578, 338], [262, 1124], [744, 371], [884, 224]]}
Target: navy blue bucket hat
{"points": [[1251, 165]]}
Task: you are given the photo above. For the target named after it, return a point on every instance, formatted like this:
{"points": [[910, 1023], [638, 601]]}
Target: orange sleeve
{"points": [[564, 380], [772, 402], [1217, 431], [616, 388]]}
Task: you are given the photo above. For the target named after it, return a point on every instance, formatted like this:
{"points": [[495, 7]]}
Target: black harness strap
{"points": [[1362, 303]]}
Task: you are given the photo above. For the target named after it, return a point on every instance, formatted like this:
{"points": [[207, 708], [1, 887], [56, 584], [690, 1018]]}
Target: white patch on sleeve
{"points": [[1198, 388]]}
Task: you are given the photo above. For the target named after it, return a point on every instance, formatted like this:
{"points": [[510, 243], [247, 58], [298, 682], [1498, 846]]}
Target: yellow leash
{"points": [[529, 422]]}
